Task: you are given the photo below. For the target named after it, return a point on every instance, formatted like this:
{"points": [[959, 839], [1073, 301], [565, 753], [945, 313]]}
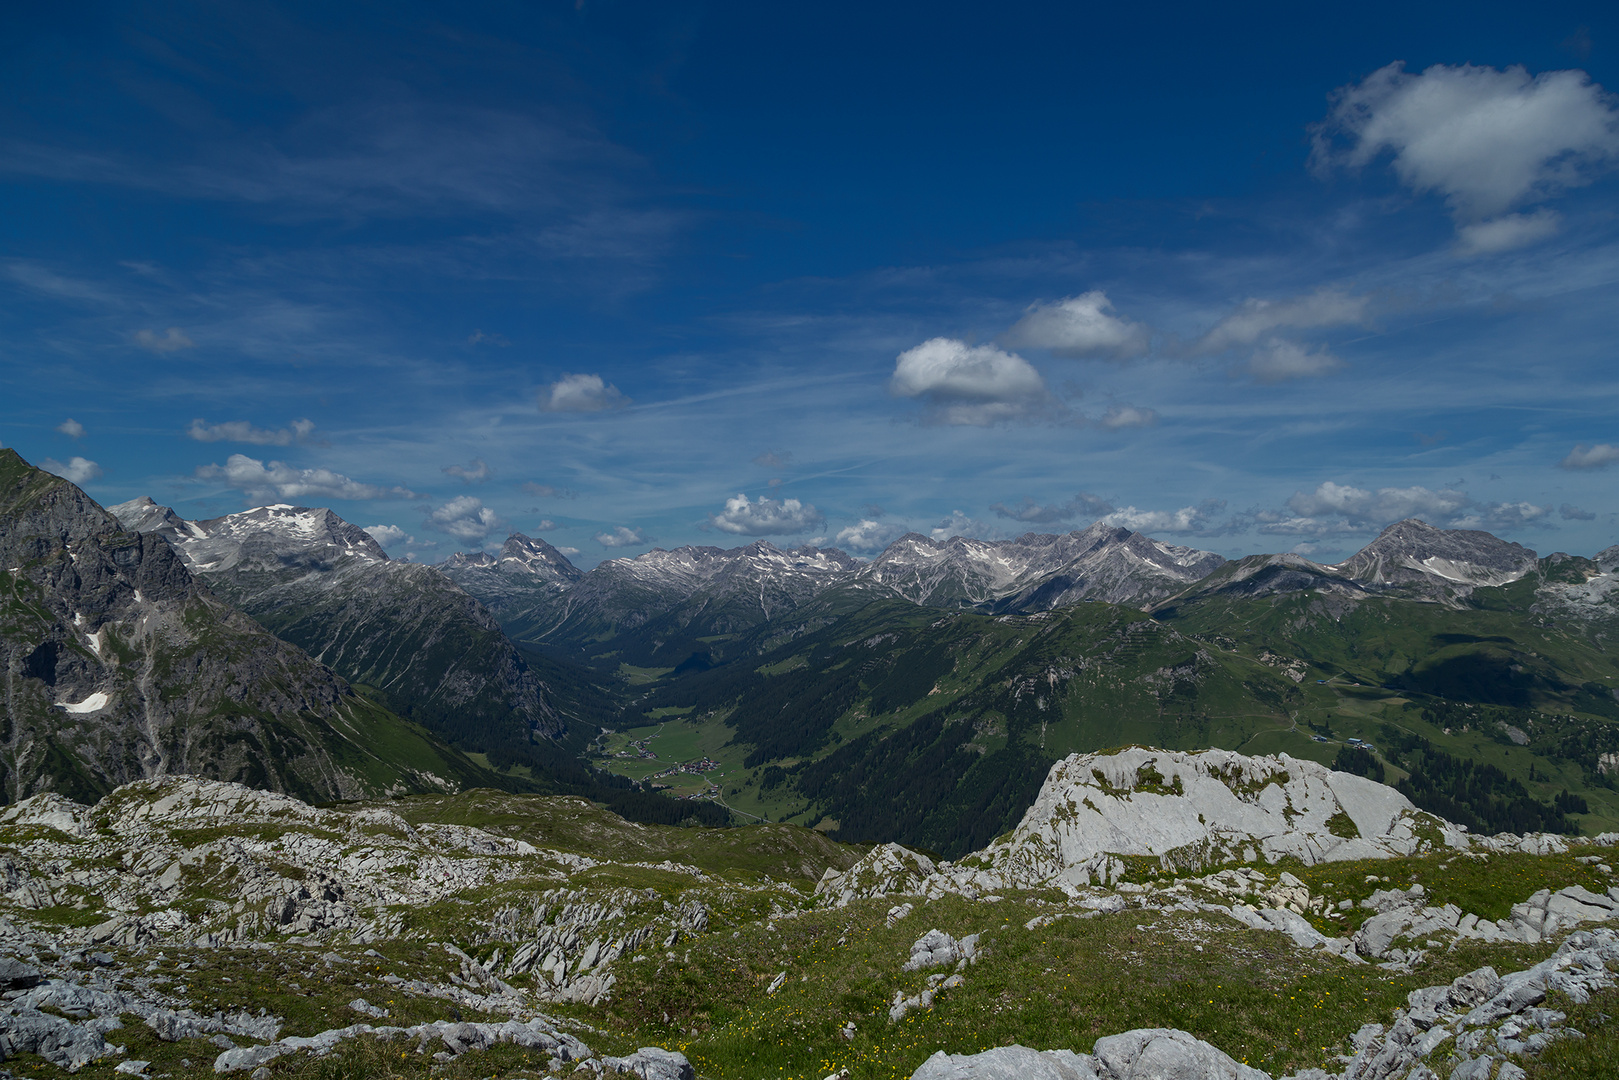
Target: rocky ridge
{"points": [[554, 927], [433, 652], [1036, 572], [119, 664]]}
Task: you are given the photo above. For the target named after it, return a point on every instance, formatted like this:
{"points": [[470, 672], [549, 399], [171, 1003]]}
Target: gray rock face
{"points": [[121, 665], [435, 653], [1412, 556], [652, 1063], [1008, 1063], [1144, 1054], [1192, 809], [1036, 572], [687, 592], [528, 573]]}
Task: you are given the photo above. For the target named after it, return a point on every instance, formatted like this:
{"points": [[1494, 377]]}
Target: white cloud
{"points": [[970, 384], [1335, 509], [1123, 416], [465, 518], [581, 393], [1257, 318], [389, 535], [71, 428], [868, 535], [476, 473], [1485, 140], [622, 536], [1280, 360], [78, 470], [1080, 326], [959, 524], [243, 432], [171, 340], [1083, 505], [1596, 456], [545, 525], [1506, 232], [766, 517], [281, 481], [1188, 519], [570, 552]]}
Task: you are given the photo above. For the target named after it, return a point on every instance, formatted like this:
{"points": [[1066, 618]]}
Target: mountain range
{"points": [[416, 641], [917, 696], [120, 664]]}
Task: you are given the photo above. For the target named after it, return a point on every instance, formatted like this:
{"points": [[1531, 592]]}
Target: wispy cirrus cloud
{"points": [[171, 340], [1590, 456], [244, 432], [475, 473], [1082, 506]]}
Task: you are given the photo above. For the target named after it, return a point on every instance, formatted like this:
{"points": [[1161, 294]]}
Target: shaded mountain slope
{"points": [[405, 632], [120, 665]]}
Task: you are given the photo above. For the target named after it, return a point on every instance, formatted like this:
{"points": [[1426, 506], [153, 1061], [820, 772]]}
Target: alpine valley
{"points": [[1068, 807]]}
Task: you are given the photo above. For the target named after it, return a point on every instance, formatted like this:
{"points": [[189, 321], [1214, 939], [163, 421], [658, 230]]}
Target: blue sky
{"points": [[626, 275]]}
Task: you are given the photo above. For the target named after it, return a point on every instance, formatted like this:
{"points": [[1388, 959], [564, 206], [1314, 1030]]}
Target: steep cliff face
{"points": [[429, 650], [120, 665]]}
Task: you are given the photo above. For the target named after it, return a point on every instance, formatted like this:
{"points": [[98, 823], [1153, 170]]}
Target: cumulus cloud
{"points": [[1084, 506], [71, 428], [1506, 232], [1484, 140], [465, 518], [389, 535], [766, 517], [76, 470], [171, 340], [281, 481], [869, 535], [1125, 416], [1570, 512], [1257, 318], [970, 384], [475, 473], [1198, 519], [243, 432], [1281, 360], [1596, 456], [1080, 326], [774, 459], [1336, 509], [581, 393], [570, 552], [622, 536]]}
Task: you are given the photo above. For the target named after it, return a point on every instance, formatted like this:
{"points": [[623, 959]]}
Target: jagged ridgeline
{"points": [[920, 696], [120, 665]]}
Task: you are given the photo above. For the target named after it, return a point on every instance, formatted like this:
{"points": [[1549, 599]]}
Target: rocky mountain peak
{"points": [[529, 555], [1413, 553], [1037, 571]]}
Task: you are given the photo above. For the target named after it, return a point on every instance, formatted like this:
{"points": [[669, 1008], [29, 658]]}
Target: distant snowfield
{"points": [[94, 703]]}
